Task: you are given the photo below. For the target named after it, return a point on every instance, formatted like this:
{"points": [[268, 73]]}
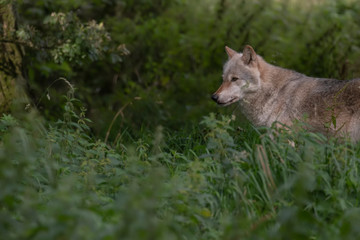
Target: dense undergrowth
{"points": [[217, 181], [154, 163]]}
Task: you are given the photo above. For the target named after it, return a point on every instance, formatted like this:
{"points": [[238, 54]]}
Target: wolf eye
{"points": [[234, 79]]}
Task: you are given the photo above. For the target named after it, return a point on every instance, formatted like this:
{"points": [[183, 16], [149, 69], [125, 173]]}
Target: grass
{"points": [[214, 181], [218, 178]]}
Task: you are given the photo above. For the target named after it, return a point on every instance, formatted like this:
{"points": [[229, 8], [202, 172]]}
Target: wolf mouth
{"points": [[232, 100]]}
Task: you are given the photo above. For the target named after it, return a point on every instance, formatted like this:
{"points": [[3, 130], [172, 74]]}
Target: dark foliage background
{"points": [[163, 59], [123, 144]]}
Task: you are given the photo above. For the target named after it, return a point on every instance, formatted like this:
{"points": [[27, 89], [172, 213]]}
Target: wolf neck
{"points": [[274, 75], [261, 107]]}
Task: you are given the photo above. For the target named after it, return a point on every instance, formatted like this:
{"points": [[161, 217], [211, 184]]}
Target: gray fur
{"points": [[269, 94]]}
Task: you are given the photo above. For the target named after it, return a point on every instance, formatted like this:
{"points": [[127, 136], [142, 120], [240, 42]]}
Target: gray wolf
{"points": [[268, 94]]}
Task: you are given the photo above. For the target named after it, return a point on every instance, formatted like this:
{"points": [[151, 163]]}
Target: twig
{"points": [[115, 117], [47, 89], [26, 44]]}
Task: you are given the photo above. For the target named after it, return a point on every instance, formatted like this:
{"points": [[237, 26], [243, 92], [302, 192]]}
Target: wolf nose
{"points": [[214, 97]]}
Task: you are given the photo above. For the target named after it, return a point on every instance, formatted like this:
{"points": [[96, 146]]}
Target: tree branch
{"points": [[25, 44]]}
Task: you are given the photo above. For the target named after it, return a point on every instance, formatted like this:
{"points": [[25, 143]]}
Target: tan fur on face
{"points": [[267, 94]]}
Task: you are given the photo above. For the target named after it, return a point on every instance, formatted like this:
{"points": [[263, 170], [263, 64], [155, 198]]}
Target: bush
{"points": [[164, 168], [58, 182]]}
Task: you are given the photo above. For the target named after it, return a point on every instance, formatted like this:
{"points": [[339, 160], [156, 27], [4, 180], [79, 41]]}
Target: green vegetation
{"points": [[123, 144], [59, 183]]}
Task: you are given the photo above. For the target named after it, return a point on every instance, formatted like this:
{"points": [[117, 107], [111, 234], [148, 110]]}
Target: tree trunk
{"points": [[12, 81]]}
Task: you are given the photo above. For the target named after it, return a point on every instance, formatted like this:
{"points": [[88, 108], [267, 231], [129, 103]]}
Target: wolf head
{"points": [[241, 76]]}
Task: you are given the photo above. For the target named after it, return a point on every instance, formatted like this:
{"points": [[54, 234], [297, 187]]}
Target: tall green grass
{"points": [[214, 181], [214, 177]]}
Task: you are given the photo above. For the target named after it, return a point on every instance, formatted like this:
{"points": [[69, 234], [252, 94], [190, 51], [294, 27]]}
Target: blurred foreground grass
{"points": [[215, 181]]}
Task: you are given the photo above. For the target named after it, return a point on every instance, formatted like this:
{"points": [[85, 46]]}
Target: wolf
{"points": [[269, 94]]}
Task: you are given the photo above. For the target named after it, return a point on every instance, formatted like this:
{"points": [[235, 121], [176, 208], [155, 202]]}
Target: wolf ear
{"points": [[249, 55], [230, 52]]}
